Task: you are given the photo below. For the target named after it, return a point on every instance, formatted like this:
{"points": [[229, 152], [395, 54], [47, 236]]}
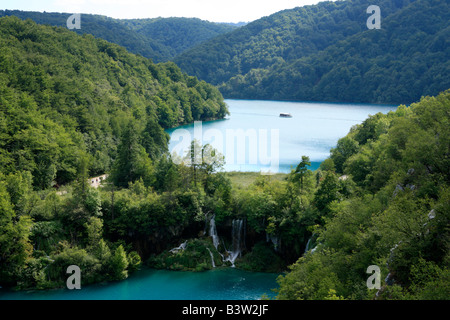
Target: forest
{"points": [[159, 39], [325, 52], [73, 107], [66, 96]]}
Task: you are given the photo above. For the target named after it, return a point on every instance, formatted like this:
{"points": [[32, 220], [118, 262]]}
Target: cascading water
{"points": [[237, 237], [213, 231], [180, 247], [212, 258], [237, 240], [310, 246], [275, 241]]}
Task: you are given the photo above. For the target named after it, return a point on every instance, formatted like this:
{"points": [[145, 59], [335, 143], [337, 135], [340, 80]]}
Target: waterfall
{"points": [[213, 231], [237, 240], [212, 258], [180, 247], [310, 245], [275, 241]]}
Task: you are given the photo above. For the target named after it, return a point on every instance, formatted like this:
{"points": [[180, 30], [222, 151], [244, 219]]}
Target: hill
{"points": [[99, 26], [325, 52], [392, 215], [177, 34], [66, 96], [159, 39]]}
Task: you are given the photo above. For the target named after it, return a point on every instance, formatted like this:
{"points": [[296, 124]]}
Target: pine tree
{"points": [[132, 161]]}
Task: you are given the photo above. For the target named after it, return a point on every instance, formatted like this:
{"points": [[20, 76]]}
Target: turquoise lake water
{"points": [[312, 131], [149, 284]]}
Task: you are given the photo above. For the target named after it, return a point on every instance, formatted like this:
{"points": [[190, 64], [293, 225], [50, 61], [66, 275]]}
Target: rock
{"points": [[398, 189], [432, 214], [410, 172]]}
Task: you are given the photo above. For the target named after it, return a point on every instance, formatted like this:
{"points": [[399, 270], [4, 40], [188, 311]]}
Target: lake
{"points": [[254, 137], [150, 284]]}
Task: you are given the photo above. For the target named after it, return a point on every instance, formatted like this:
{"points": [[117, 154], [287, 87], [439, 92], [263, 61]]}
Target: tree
{"points": [[154, 139], [132, 160], [15, 247], [328, 165], [327, 192], [345, 148], [301, 171], [94, 229], [166, 173], [119, 264]]}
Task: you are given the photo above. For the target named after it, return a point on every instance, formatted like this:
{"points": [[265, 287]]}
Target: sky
{"points": [[211, 10]]}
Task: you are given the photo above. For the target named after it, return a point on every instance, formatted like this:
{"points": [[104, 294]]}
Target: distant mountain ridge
{"points": [[321, 52], [325, 52], [177, 34], [159, 39]]}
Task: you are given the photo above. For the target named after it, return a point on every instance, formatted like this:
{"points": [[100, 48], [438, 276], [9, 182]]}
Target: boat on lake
{"points": [[285, 115]]}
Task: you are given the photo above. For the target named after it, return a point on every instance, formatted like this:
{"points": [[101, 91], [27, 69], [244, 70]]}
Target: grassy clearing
{"points": [[245, 179]]}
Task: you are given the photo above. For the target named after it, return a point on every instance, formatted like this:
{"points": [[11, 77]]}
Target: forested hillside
{"points": [[99, 26], [325, 52], [159, 39], [177, 35], [394, 212], [65, 96], [71, 107]]}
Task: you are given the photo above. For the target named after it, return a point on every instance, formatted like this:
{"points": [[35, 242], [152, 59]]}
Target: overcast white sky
{"points": [[212, 10]]}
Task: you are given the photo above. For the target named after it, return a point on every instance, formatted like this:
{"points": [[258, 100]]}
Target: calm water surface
{"points": [[312, 131], [150, 284]]}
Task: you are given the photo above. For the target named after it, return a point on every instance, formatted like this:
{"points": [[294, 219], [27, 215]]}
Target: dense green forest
{"points": [[177, 34], [71, 107], [159, 39], [65, 96], [393, 210], [325, 52]]}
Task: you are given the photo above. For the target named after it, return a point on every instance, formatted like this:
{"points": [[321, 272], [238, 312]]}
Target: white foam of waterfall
{"points": [[275, 241], [213, 231], [212, 258], [180, 247], [310, 245], [237, 241]]}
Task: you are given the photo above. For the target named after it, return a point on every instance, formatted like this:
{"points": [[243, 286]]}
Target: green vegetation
{"points": [[195, 257], [177, 35], [245, 179], [325, 52], [393, 211], [67, 99], [72, 107], [159, 39]]}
